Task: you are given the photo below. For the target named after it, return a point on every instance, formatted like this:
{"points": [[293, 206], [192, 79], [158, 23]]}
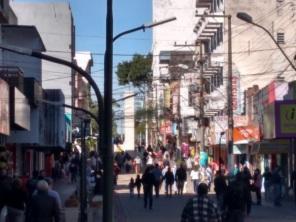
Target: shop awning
{"points": [[271, 147]]}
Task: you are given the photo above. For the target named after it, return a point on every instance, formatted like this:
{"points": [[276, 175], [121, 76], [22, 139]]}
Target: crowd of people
{"points": [[35, 200], [234, 188]]}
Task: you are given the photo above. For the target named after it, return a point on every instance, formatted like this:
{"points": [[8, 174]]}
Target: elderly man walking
{"points": [[201, 208], [43, 207]]}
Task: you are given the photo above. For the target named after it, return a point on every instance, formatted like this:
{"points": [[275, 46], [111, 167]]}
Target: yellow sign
{"points": [[286, 119]]}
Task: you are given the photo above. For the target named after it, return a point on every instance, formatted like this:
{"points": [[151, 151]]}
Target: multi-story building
{"points": [[81, 89], [54, 22], [31, 126], [173, 43]]}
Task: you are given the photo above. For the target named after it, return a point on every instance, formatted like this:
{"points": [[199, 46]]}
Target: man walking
{"points": [[236, 199], [293, 183], [181, 177], [148, 181], [201, 208], [220, 187], [43, 207], [158, 177]]}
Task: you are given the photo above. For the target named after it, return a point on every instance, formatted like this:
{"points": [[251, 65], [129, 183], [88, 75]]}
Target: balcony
{"points": [[211, 5]]}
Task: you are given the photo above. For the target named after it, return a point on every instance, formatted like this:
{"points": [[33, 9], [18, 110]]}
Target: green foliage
{"points": [[137, 71], [94, 125]]}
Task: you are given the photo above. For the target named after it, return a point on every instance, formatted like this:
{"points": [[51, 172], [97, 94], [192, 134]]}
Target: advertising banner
{"points": [[21, 110], [4, 108], [285, 119], [246, 134]]}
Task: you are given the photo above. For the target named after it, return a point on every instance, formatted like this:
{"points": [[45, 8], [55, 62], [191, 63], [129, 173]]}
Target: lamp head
{"points": [[245, 17]]}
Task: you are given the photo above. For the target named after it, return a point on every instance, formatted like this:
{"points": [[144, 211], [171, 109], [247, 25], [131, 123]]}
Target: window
{"points": [[281, 38]]}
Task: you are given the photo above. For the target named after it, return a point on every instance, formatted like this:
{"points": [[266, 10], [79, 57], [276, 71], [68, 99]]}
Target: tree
{"points": [[137, 71], [94, 125]]}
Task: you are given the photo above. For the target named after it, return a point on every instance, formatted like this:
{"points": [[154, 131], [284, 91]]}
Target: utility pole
{"points": [[229, 82], [229, 97], [156, 107], [201, 100]]}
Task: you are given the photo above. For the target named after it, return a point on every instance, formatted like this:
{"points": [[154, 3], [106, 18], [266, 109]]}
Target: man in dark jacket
{"points": [[148, 182], [293, 183], [181, 177], [43, 207], [169, 181], [220, 188], [5, 188], [236, 199]]}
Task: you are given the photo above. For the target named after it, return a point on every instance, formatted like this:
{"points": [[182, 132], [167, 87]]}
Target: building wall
{"points": [[254, 53], [168, 37], [55, 24], [31, 67], [129, 122]]}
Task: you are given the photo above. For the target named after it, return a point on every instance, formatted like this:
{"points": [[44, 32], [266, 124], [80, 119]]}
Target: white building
{"points": [[174, 43], [255, 55], [129, 122]]}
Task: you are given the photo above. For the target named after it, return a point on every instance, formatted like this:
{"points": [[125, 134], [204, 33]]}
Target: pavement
{"points": [[170, 209], [66, 189]]}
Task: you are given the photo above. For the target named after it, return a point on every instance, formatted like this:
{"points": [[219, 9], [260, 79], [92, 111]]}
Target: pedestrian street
{"points": [[170, 209]]}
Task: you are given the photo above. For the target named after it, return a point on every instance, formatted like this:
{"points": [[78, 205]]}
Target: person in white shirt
{"points": [[194, 174], [138, 164]]}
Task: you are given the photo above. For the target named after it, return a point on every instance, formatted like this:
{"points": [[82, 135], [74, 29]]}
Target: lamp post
{"points": [[107, 125], [247, 18]]}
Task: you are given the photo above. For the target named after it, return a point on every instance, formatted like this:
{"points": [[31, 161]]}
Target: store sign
{"points": [[285, 119], [221, 125], [166, 127], [4, 108], [245, 134]]}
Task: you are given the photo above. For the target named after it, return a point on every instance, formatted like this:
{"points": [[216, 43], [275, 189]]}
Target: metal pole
{"points": [[156, 113], [220, 152], [107, 125], [201, 101], [83, 200], [229, 98]]}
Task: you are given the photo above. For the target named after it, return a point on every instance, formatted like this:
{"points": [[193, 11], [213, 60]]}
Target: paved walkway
{"points": [[169, 209], [65, 189]]}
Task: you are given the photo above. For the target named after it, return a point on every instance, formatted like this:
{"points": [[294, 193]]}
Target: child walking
{"points": [[138, 184], [131, 187]]}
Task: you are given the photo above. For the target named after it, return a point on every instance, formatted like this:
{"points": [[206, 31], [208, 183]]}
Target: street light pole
{"points": [[108, 148], [247, 18], [107, 140]]}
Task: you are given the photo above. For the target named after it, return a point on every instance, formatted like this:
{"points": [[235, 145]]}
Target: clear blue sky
{"points": [[89, 18]]}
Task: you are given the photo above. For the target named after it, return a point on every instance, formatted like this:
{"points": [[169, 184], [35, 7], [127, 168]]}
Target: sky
{"points": [[90, 19]]}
